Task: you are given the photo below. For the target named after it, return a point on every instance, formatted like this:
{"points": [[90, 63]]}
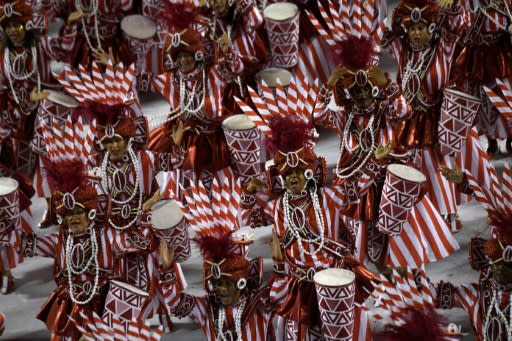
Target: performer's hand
{"points": [[36, 96], [378, 75], [254, 185], [453, 175], [445, 3], [103, 57], [336, 75], [277, 255], [74, 16], [203, 3], [166, 254], [225, 43], [177, 133], [151, 201], [382, 152]]}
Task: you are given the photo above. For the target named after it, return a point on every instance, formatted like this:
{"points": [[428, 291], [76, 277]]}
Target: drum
{"points": [[53, 109], [170, 224], [139, 30], [9, 204], [402, 188], [125, 302], [282, 24], [271, 74], [243, 139], [458, 111], [336, 290]]}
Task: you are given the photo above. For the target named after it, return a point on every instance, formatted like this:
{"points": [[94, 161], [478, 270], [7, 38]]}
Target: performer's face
{"points": [[186, 62], [226, 291], [15, 31], [116, 146], [419, 34], [502, 273], [219, 6], [362, 96], [295, 181], [77, 221]]}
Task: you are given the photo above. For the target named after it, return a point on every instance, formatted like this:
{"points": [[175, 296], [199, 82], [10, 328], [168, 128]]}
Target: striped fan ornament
{"points": [[297, 100], [96, 329], [114, 86], [358, 18], [502, 103]]}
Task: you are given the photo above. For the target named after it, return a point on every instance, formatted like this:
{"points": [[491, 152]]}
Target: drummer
{"points": [[195, 91], [84, 251]]}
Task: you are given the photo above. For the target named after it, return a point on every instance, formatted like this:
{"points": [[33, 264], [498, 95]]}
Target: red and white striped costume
{"points": [[424, 95]]}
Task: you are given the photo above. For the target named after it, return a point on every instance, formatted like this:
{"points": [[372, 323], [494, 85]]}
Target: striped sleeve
{"points": [[279, 289], [46, 246]]}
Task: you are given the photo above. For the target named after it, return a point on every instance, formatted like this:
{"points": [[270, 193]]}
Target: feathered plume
{"points": [[421, 324], [355, 53], [179, 15], [215, 243], [66, 175], [289, 133], [103, 113]]}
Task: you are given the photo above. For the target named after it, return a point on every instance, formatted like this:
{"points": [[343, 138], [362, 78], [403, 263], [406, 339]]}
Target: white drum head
{"points": [[7, 185], [281, 11], [334, 277], [166, 214], [270, 76], [407, 173], [238, 122], [62, 99], [129, 287], [138, 26]]}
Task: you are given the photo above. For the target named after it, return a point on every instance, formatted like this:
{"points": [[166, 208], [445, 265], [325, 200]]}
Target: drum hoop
{"points": [[130, 287], [238, 129], [280, 4], [462, 94], [52, 97], [129, 34], [10, 181], [348, 272], [424, 178]]}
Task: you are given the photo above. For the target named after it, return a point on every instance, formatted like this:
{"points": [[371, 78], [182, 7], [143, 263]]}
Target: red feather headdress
{"points": [[421, 324]]}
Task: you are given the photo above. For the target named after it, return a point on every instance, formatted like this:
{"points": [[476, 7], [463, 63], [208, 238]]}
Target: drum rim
{"points": [[232, 129], [401, 177], [258, 77], [337, 285], [51, 92], [162, 204], [12, 181], [138, 15], [291, 4], [464, 94], [129, 286]]}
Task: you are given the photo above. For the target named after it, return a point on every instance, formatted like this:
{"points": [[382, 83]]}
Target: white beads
{"points": [[188, 98], [90, 10], [20, 75]]}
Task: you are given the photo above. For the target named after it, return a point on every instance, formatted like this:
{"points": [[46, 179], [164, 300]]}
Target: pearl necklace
{"points": [[295, 230], [342, 173], [188, 98], [70, 247], [500, 316], [136, 188], [91, 10], [23, 75], [238, 323], [414, 71]]}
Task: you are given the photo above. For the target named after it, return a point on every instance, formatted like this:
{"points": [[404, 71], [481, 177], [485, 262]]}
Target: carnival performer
{"points": [[127, 171], [196, 93], [17, 219], [24, 70], [236, 306], [306, 216], [368, 108], [488, 302], [97, 26], [84, 252], [484, 57], [422, 39]]}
